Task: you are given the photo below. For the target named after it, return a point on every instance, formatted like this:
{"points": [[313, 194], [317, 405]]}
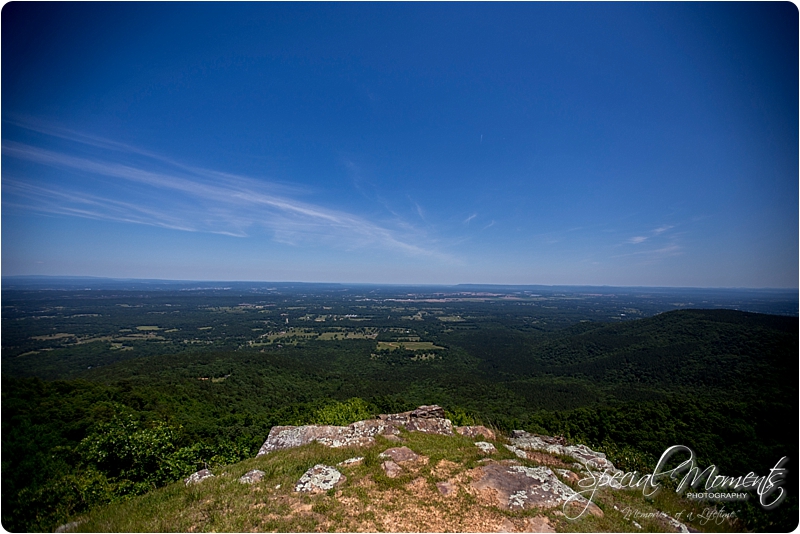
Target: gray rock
{"points": [[515, 487], [486, 447], [586, 456], [320, 478], [475, 431], [519, 452], [251, 477], [361, 433], [199, 476]]}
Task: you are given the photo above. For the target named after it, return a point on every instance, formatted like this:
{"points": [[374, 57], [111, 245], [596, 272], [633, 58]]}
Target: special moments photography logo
{"points": [[707, 483]]}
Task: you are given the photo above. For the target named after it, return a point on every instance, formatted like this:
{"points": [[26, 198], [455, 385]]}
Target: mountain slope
{"points": [[442, 489]]}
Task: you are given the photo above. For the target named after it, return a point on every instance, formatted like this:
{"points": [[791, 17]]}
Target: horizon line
{"points": [[395, 284]]}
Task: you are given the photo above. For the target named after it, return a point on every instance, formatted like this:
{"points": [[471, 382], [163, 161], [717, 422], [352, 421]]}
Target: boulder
{"points": [[252, 476], [515, 487], [391, 469], [475, 431], [199, 476], [320, 478]]}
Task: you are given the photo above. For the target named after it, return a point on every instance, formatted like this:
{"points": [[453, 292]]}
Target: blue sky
{"points": [[621, 144]]}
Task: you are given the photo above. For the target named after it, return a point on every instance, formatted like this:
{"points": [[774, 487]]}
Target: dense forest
{"points": [[108, 393]]}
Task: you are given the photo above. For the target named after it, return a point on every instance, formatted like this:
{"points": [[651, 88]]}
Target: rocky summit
{"points": [[407, 472]]}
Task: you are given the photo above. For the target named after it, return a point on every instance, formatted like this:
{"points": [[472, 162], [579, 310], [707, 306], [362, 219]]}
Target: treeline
{"points": [[71, 446]]}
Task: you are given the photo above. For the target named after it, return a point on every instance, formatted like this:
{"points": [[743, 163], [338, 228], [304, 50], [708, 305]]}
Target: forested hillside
{"points": [[203, 388]]}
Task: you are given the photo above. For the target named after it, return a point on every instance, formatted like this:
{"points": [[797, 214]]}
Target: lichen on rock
{"points": [[486, 447], [199, 476], [319, 478], [521, 440]]}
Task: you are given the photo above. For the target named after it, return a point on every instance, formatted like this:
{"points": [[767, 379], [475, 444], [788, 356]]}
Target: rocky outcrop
{"points": [[523, 441], [430, 426], [428, 419], [476, 431], [319, 478], [361, 433], [515, 487], [199, 476]]}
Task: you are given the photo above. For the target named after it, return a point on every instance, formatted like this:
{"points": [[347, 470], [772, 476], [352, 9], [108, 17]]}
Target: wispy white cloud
{"points": [[468, 219], [636, 240], [420, 212], [132, 185], [656, 245]]}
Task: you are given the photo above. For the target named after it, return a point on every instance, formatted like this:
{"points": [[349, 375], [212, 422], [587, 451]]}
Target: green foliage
{"points": [[124, 450], [460, 417], [343, 413]]}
